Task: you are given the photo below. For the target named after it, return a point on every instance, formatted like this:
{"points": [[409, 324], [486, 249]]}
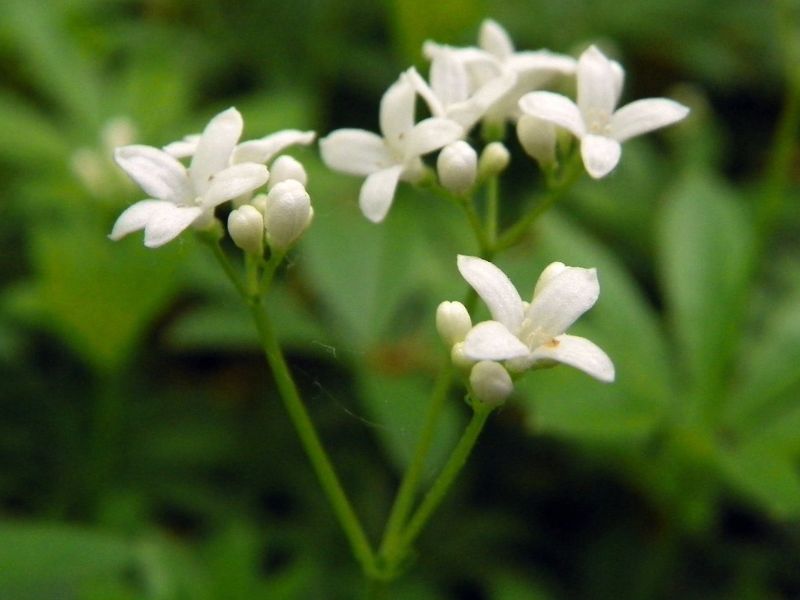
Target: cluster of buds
{"points": [[220, 170], [521, 335]]}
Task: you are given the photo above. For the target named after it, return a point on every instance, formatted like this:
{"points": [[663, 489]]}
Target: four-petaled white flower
{"points": [[496, 58], [593, 120], [262, 150], [181, 197], [526, 334], [395, 156]]}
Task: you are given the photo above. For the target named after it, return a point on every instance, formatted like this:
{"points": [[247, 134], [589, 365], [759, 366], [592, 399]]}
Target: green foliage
{"points": [[144, 451]]}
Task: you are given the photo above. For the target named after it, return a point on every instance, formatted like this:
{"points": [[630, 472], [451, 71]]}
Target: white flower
{"points": [[525, 335], [496, 57], [593, 120], [246, 228], [287, 213], [385, 160], [451, 94], [181, 197]]}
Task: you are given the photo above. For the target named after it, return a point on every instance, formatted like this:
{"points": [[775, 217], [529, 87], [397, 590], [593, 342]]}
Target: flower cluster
{"points": [[220, 170], [521, 335], [491, 84]]}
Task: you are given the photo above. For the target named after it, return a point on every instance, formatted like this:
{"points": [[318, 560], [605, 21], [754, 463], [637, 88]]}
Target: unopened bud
{"points": [[287, 213], [452, 322], [494, 159], [490, 382], [246, 227], [286, 167], [457, 166], [538, 139]]}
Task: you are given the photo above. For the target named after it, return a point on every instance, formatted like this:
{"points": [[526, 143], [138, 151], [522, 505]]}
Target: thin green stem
{"points": [[445, 479], [785, 143], [321, 463], [405, 496], [492, 210], [310, 440], [572, 172]]}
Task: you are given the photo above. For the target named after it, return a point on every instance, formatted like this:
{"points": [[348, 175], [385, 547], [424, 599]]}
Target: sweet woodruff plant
{"points": [[472, 96]]}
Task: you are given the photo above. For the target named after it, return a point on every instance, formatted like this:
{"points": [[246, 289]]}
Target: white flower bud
{"points": [[259, 202], [246, 227], [286, 167], [452, 322], [494, 159], [457, 166], [538, 139], [459, 358], [490, 382], [287, 213]]}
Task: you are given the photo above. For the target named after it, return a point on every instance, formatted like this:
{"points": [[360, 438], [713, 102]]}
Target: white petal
{"points": [[183, 148], [561, 300], [234, 181], [600, 154], [470, 112], [136, 216], [542, 60], [429, 135], [619, 80], [377, 193], [355, 151], [449, 80], [156, 172], [425, 91], [642, 116], [495, 289], [494, 39], [491, 340], [397, 111], [555, 108], [264, 149], [214, 148], [597, 84], [550, 271], [576, 352], [168, 222]]}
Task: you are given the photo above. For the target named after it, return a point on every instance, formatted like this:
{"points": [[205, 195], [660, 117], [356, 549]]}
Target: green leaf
{"points": [[100, 296], [57, 561], [770, 366], [706, 255], [622, 323]]}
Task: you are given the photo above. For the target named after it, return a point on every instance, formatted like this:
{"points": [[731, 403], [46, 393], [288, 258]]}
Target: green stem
{"points": [[445, 479], [492, 210], [299, 416], [572, 172], [785, 144], [408, 487], [311, 443]]}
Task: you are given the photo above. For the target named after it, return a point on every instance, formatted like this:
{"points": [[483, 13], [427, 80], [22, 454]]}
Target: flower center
{"points": [[598, 121]]}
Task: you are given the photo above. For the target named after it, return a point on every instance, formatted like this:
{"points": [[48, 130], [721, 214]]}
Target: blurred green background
{"points": [[143, 451]]}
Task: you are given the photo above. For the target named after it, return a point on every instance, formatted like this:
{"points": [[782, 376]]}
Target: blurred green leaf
{"points": [[706, 254], [29, 140], [98, 295], [58, 561]]}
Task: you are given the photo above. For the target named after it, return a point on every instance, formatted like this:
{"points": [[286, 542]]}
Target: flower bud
{"points": [[259, 202], [246, 227], [538, 139], [490, 382], [452, 322], [287, 213], [286, 167], [494, 159], [457, 166]]}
